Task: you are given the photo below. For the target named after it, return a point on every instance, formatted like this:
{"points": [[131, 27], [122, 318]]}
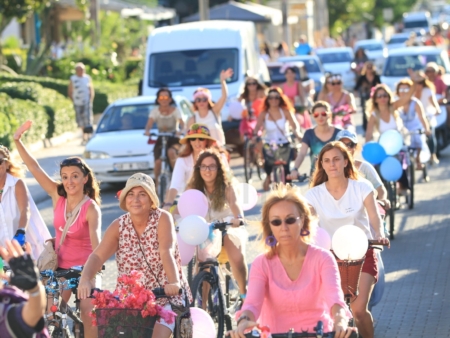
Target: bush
{"points": [[105, 93], [14, 112], [60, 112]]}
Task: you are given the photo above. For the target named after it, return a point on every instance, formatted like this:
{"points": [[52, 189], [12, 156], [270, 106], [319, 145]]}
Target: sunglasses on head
{"points": [[273, 97], [316, 115], [3, 160], [252, 83], [382, 96], [201, 99], [288, 221], [197, 138], [68, 162]]}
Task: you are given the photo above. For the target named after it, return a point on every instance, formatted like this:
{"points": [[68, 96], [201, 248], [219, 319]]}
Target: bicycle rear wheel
{"points": [[411, 180], [211, 300], [163, 182], [278, 174], [248, 160], [391, 213], [190, 272]]}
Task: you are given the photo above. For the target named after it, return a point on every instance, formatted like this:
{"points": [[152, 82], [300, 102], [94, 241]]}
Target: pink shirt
{"points": [[440, 86], [77, 246], [281, 304]]}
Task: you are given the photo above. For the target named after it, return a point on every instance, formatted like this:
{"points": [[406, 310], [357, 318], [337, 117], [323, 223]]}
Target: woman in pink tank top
{"points": [[78, 187]]}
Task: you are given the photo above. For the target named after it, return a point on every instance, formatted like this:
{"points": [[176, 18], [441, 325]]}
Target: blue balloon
{"points": [[391, 169], [391, 141], [373, 153]]}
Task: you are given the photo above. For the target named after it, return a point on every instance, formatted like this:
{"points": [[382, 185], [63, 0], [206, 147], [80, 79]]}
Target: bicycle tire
{"points": [[216, 311], [248, 161], [162, 187], [190, 272], [393, 199], [411, 179], [278, 174]]}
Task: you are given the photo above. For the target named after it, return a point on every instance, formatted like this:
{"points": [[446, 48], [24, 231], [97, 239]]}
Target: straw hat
{"points": [[197, 130], [139, 180]]}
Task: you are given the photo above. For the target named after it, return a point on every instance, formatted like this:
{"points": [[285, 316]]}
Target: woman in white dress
{"points": [[19, 216]]}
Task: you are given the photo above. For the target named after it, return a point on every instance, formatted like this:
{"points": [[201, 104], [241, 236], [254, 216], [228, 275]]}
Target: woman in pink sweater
{"points": [[294, 284]]}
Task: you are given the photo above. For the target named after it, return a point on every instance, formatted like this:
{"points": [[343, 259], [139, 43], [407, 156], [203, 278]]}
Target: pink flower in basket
{"points": [[342, 110]]}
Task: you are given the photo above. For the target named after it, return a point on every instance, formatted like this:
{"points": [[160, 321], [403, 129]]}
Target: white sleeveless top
{"points": [[212, 121], [276, 131], [385, 126]]}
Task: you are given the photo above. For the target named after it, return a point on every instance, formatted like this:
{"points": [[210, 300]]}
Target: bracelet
{"points": [[241, 318], [35, 293]]}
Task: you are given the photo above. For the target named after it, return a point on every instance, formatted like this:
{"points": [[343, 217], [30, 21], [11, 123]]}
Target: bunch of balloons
{"points": [[389, 144]]}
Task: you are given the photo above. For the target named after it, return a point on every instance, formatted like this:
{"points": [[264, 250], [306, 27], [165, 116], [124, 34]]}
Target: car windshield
{"points": [[399, 39], [371, 47], [277, 77], [335, 57], [130, 117], [398, 65], [416, 24], [198, 67], [312, 66]]}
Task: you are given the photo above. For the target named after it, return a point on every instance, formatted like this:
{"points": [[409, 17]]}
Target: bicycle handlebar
{"points": [[223, 225], [255, 334], [163, 134], [375, 242]]}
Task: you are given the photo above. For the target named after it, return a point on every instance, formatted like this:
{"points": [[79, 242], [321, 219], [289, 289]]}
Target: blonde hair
{"points": [[286, 193], [14, 168], [372, 105], [366, 64]]}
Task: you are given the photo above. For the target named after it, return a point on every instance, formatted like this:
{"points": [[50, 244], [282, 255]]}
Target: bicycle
{"points": [[413, 155], [166, 169], [57, 320], [318, 333], [252, 159], [215, 290]]}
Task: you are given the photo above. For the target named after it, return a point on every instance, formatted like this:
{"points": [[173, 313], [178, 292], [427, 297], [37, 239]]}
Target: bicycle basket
{"points": [[350, 272], [123, 323], [281, 152]]}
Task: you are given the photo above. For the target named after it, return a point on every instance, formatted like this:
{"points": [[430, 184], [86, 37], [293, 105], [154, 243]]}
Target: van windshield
{"points": [[416, 24], [398, 65], [197, 67]]}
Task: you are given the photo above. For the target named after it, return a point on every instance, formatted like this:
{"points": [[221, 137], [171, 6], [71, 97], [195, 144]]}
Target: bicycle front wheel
{"points": [[208, 296], [411, 180], [279, 175], [248, 160], [163, 181], [393, 199]]}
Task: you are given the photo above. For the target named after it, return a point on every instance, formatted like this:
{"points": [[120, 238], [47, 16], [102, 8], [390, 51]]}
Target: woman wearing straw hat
{"points": [[144, 240], [197, 139]]}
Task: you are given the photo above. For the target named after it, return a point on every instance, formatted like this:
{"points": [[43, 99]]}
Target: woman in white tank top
{"points": [[276, 118], [208, 113]]}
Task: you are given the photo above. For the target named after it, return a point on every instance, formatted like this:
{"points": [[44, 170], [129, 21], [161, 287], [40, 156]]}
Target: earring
{"points": [[304, 232], [271, 241]]}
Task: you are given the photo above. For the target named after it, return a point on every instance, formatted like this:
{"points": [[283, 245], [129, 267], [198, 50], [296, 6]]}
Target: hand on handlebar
{"points": [[84, 288], [342, 330], [173, 289], [236, 222], [387, 204], [243, 326], [293, 175], [383, 240]]}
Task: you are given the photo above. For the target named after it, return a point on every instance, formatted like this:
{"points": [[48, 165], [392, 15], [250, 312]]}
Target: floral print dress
{"points": [[129, 257]]}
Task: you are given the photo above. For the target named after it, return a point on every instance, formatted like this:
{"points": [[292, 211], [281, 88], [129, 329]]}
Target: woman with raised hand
{"points": [[198, 138], [17, 208], [208, 113], [339, 198], [252, 97], [76, 200], [210, 177], [294, 284], [143, 240]]}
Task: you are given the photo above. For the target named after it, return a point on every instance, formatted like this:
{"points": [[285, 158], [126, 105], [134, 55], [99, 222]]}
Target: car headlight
{"points": [[95, 155]]}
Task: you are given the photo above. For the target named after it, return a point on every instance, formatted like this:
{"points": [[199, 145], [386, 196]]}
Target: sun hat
{"points": [[197, 130], [346, 134], [139, 180]]}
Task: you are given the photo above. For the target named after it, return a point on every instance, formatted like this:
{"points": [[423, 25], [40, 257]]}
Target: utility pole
{"points": [[285, 14], [203, 9]]}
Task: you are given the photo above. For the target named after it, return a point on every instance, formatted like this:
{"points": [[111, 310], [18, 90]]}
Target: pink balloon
{"points": [[203, 324], [322, 239], [193, 202], [186, 251]]}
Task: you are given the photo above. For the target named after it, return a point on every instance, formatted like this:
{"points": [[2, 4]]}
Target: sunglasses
{"points": [[3, 160], [350, 145], [273, 97], [201, 99], [337, 83], [403, 90], [382, 96], [289, 221], [197, 138], [316, 115], [252, 83], [211, 167], [163, 97], [429, 70], [68, 162]]}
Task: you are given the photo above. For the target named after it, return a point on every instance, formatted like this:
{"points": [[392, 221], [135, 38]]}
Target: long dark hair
{"points": [[222, 181], [285, 103], [350, 171], [91, 187], [164, 89], [259, 86]]}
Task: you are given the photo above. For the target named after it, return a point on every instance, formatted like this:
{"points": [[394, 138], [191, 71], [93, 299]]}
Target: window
{"points": [[371, 47], [277, 77], [192, 67], [398, 65], [125, 118], [416, 24], [312, 66], [398, 40], [335, 57]]}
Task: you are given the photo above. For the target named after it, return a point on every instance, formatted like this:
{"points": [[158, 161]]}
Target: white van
{"points": [[191, 55], [418, 22]]}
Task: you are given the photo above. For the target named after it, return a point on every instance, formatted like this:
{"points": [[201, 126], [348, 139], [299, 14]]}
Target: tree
{"points": [[344, 13], [187, 7], [398, 6], [19, 9]]}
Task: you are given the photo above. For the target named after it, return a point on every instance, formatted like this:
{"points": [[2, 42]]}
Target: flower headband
{"points": [[5, 150], [372, 91], [198, 129], [201, 92]]}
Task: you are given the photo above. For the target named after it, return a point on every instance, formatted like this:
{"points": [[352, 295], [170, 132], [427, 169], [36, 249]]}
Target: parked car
{"points": [[313, 67], [397, 41], [418, 22], [375, 50], [338, 61], [119, 148]]}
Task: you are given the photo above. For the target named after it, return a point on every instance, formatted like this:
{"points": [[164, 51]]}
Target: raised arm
{"points": [[23, 204], [47, 183], [224, 75]]}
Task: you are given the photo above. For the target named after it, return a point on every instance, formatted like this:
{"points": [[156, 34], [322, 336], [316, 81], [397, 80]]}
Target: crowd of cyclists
{"points": [[293, 284]]}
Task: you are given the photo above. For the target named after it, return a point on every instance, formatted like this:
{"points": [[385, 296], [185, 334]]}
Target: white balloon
{"points": [[425, 154], [349, 243], [193, 230], [246, 195], [235, 109]]}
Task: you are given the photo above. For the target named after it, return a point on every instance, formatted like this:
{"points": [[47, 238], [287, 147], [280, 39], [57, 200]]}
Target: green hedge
{"points": [[14, 112], [105, 93], [60, 112]]}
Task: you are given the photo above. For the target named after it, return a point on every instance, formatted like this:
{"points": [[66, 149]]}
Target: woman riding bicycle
{"points": [[211, 178], [317, 137], [298, 96], [414, 119], [197, 139], [276, 118], [293, 284], [208, 113], [168, 119], [76, 200], [143, 240], [368, 79], [339, 199], [342, 103], [253, 98]]}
